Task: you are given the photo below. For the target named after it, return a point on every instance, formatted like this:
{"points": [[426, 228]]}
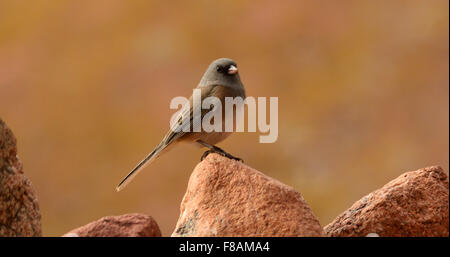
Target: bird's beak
{"points": [[232, 70]]}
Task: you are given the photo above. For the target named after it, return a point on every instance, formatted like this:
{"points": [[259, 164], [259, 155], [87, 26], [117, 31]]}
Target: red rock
{"points": [[19, 209], [414, 204], [227, 198], [128, 225]]}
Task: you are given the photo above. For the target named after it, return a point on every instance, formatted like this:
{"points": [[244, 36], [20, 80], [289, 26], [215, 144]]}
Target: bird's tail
{"points": [[149, 159]]}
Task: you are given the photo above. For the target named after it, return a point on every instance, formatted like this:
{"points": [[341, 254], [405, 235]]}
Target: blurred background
{"points": [[85, 86]]}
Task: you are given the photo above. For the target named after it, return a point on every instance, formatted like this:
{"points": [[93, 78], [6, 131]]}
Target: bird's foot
{"points": [[221, 152], [205, 154]]}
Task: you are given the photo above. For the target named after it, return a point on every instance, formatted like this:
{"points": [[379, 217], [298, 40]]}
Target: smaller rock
{"points": [[414, 204], [128, 225]]}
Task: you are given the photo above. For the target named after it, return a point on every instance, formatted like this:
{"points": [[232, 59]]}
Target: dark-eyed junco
{"points": [[220, 80]]}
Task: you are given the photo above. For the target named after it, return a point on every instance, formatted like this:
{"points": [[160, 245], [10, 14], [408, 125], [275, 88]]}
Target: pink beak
{"points": [[232, 70]]}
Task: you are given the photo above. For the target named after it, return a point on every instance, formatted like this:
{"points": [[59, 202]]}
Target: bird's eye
{"points": [[222, 69]]}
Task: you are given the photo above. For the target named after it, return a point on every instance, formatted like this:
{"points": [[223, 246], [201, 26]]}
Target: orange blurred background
{"points": [[85, 86]]}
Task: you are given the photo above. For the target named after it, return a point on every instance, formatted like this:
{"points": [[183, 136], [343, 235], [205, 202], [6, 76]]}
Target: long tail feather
{"points": [[144, 163]]}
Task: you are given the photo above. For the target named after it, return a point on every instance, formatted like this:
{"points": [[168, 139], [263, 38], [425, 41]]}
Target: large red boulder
{"points": [[227, 198]]}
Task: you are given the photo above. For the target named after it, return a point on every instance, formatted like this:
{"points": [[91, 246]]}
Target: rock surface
{"points": [[128, 225], [227, 198], [414, 204], [19, 209]]}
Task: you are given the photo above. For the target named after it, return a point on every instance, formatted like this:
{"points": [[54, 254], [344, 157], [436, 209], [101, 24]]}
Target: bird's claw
{"points": [[221, 152], [205, 154]]}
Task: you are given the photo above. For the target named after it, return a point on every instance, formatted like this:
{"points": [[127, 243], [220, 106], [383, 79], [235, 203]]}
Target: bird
{"points": [[221, 79]]}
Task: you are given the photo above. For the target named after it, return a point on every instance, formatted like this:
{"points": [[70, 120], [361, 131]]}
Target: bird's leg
{"points": [[215, 149]]}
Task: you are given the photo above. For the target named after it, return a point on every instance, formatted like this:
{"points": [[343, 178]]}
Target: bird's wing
{"points": [[186, 119]]}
